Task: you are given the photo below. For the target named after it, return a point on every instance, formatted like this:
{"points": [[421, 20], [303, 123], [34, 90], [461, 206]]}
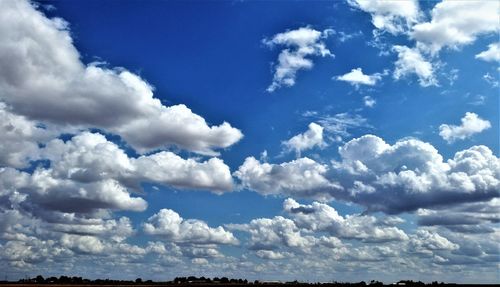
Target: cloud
{"points": [[302, 177], [491, 80], [307, 140], [356, 78], [392, 16], [320, 217], [170, 226], [411, 61], [473, 218], [471, 125], [490, 55], [426, 242], [41, 67], [270, 254], [339, 124], [300, 44], [456, 23], [405, 176], [19, 139], [275, 233], [369, 101], [91, 157]]}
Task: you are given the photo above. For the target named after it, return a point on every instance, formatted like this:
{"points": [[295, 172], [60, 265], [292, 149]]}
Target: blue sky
{"points": [[318, 141]]}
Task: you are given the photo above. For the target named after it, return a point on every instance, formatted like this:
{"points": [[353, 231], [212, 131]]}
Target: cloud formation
{"points": [[471, 124], [356, 78], [320, 217], [394, 17], [309, 139], [170, 226], [405, 176], [300, 44], [369, 101], [492, 54], [44, 80], [411, 61], [456, 23]]}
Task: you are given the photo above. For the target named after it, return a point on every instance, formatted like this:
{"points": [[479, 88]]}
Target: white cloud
{"points": [[302, 177], [91, 157], [408, 175], [340, 124], [170, 226], [275, 233], [471, 124], [493, 81], [392, 16], [320, 217], [311, 138], [425, 242], [456, 23], [19, 139], [356, 78], [300, 44], [492, 54], [369, 101], [270, 254], [411, 61], [41, 67]]}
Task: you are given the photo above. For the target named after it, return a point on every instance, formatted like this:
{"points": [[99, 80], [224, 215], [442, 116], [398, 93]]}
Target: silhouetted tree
{"points": [[39, 279]]}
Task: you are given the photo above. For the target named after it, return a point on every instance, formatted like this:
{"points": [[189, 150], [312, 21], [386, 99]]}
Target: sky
{"points": [[272, 140]]}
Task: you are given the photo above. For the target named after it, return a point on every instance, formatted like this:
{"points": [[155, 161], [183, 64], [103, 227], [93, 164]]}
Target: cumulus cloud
{"points": [[300, 44], [59, 194], [19, 139], [411, 61], [490, 55], [302, 177], [426, 242], [405, 176], [170, 226], [311, 138], [456, 23], [356, 78], [91, 157], [471, 124], [392, 16], [41, 67], [275, 233], [320, 217]]}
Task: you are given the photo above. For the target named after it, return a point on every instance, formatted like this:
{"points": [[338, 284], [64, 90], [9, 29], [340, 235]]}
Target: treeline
{"points": [[68, 280], [223, 280], [79, 280]]}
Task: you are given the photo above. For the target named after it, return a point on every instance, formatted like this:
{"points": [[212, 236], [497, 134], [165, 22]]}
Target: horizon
{"points": [[268, 140]]}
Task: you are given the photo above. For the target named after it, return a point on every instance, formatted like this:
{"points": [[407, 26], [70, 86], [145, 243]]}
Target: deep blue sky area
{"points": [[359, 134]]}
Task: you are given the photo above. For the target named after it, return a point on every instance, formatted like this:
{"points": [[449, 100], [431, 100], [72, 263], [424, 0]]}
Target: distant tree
{"points": [[39, 279], [224, 280], [138, 280]]}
